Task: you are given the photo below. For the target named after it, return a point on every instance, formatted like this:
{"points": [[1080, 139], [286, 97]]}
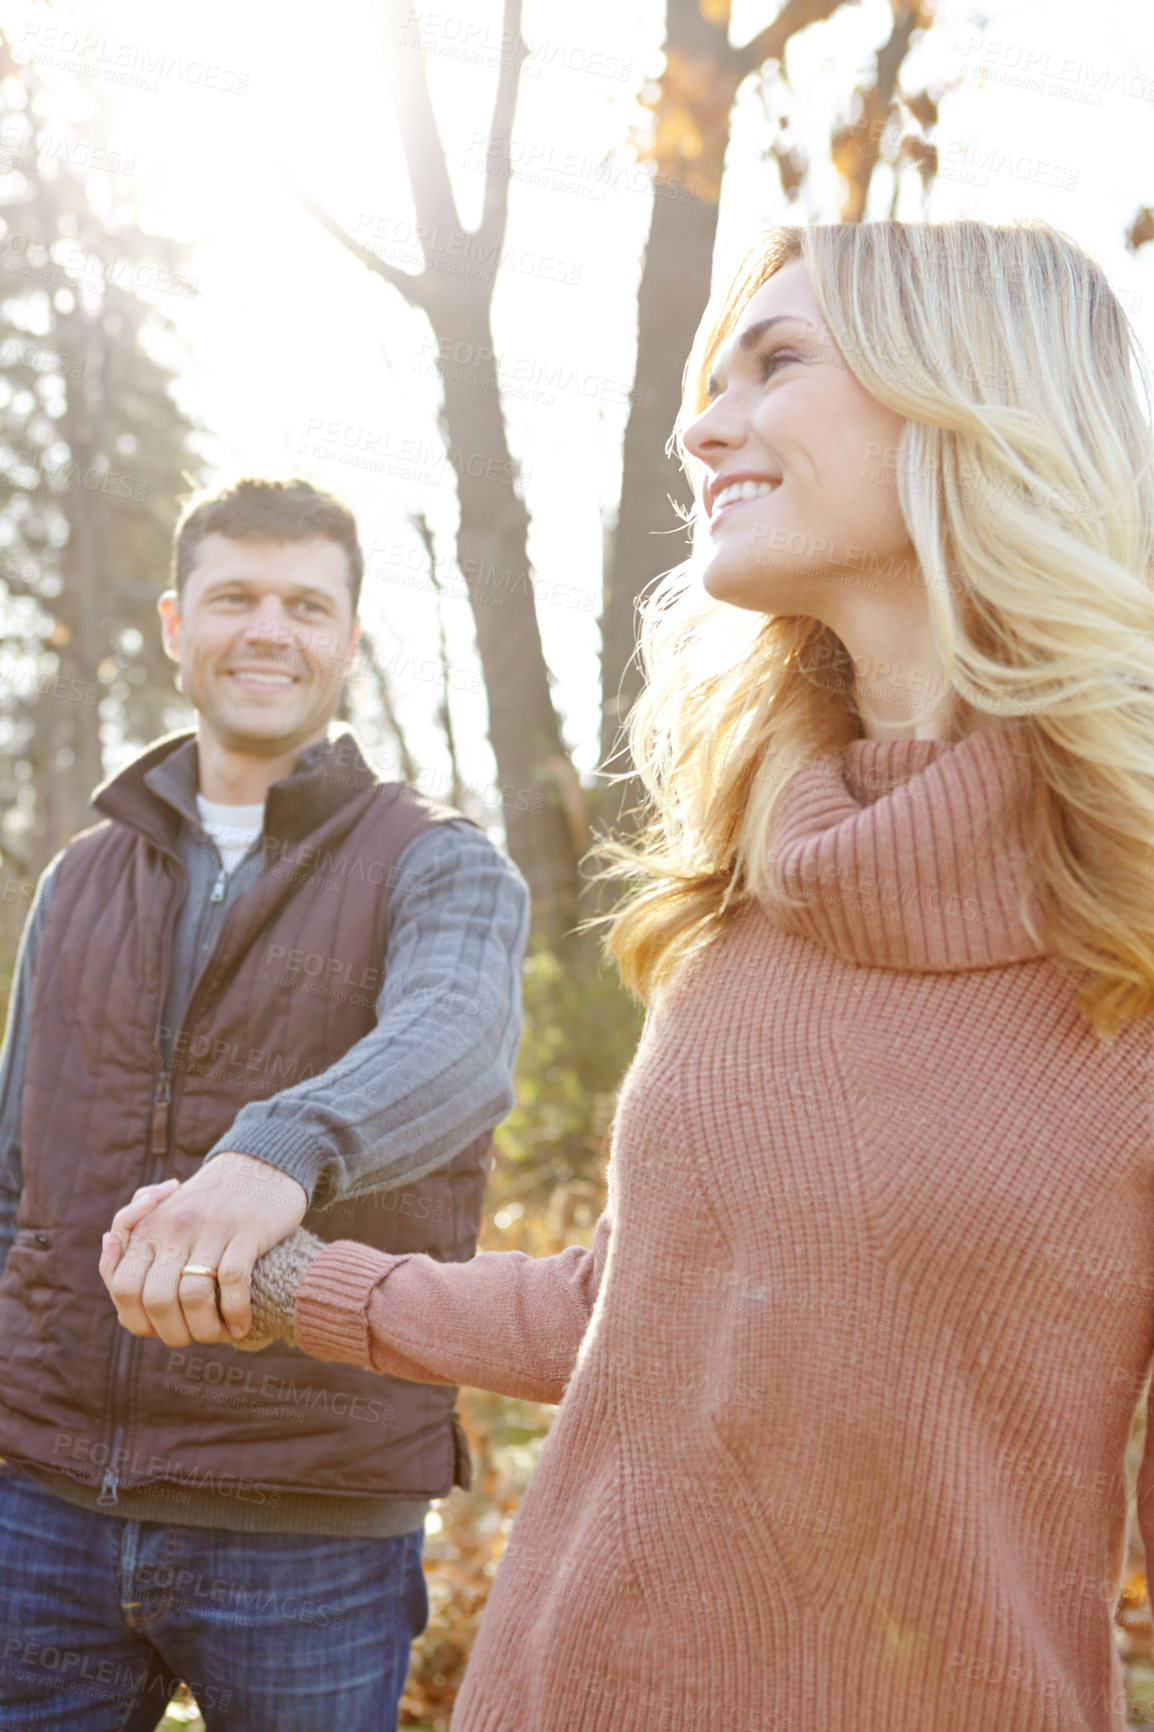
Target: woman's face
{"points": [[802, 498]]}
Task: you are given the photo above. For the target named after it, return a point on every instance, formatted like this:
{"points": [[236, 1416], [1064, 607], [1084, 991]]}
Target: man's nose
{"points": [[269, 624]]}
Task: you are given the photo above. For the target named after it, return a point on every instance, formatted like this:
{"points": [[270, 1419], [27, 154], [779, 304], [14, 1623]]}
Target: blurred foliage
{"points": [[1133, 1629], [580, 1033], [94, 451]]}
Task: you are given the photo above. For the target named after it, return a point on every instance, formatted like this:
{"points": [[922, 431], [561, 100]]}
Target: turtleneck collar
{"points": [[910, 854]]}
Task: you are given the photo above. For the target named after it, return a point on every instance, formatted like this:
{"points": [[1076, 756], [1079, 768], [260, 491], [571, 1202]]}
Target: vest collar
{"points": [[156, 792], [911, 854]]}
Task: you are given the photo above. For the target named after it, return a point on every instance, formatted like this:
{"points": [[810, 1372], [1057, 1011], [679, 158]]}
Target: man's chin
{"points": [[266, 736]]}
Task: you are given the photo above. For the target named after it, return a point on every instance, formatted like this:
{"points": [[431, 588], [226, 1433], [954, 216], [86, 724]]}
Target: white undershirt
{"points": [[234, 829]]}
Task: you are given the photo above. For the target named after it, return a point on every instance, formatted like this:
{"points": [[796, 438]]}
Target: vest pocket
{"points": [[30, 1268], [29, 1300], [35, 1238]]}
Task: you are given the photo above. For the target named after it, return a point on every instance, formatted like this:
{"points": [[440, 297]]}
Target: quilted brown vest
{"points": [[290, 987]]}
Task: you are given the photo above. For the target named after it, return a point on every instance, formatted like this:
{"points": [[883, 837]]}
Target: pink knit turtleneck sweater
{"points": [[847, 1385]]}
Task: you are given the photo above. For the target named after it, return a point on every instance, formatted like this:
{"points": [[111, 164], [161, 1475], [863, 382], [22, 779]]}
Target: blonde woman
{"points": [[847, 1377]]}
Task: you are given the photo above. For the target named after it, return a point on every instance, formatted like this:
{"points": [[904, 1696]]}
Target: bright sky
{"points": [[299, 360]]}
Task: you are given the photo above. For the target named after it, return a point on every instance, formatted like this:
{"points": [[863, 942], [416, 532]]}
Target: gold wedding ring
{"points": [[197, 1269]]}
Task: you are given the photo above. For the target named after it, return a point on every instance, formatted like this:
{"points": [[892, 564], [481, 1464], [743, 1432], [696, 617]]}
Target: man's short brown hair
{"points": [[254, 509]]}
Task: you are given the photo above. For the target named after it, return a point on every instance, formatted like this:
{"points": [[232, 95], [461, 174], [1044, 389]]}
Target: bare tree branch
{"points": [[420, 524], [432, 190], [414, 287], [856, 148], [492, 533], [498, 164], [769, 44], [367, 647]]}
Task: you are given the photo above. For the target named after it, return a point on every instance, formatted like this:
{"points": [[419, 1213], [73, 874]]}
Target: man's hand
{"points": [[226, 1216]]}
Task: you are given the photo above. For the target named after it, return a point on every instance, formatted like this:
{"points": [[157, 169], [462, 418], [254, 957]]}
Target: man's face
{"points": [[264, 633]]}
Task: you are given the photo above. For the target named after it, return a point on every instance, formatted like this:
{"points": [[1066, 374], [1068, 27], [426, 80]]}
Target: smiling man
{"points": [[296, 989]]}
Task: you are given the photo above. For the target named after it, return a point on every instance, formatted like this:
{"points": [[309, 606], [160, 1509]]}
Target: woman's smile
{"points": [[729, 492]]}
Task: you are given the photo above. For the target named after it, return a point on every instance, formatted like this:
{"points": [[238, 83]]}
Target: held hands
{"points": [[234, 1210], [276, 1280]]}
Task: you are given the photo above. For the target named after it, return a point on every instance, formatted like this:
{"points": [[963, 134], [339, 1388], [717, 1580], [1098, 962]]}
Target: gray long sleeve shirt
{"points": [[435, 1071]]}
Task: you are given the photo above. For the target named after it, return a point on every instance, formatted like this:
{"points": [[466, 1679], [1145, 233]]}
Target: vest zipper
{"points": [[207, 977], [157, 1145], [111, 1480], [162, 1106]]}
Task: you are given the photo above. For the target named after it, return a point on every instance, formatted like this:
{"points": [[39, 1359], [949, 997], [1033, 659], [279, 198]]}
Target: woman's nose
{"points": [[716, 430]]}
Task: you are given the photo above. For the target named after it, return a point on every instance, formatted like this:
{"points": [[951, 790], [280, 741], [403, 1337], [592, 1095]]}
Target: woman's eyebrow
{"points": [[752, 335]]}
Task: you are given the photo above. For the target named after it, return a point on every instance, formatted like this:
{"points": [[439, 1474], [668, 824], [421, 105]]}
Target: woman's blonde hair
{"points": [[1026, 481]]}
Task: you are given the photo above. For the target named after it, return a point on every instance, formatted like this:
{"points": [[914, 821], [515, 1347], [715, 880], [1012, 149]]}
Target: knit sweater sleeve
{"points": [[502, 1321]]}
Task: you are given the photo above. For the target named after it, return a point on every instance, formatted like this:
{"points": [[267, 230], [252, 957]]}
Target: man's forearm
{"points": [[437, 1069]]}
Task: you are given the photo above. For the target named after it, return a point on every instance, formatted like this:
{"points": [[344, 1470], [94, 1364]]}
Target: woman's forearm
{"points": [[502, 1321]]}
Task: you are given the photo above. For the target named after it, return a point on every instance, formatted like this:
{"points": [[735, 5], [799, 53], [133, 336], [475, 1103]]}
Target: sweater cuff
{"points": [[298, 1149], [331, 1318]]}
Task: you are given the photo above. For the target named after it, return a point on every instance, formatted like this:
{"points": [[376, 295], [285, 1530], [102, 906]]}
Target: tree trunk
{"points": [[493, 556], [649, 537], [540, 791]]}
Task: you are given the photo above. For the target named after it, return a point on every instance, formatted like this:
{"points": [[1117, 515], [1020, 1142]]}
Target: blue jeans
{"points": [[272, 1632]]}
